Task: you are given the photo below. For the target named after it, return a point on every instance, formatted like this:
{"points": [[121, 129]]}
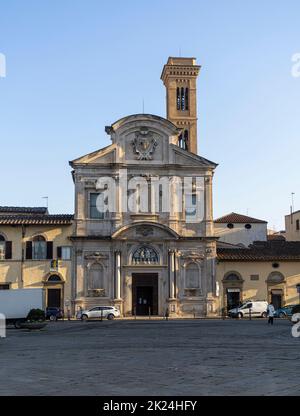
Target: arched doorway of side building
{"points": [[54, 288], [233, 290], [276, 284]]}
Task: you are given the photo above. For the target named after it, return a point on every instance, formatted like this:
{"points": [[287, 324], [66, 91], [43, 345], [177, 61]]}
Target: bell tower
{"points": [[179, 76]]}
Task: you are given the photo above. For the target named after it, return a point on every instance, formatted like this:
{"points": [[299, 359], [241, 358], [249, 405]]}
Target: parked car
{"points": [[256, 308], [295, 318], [54, 313], [106, 312], [284, 312]]}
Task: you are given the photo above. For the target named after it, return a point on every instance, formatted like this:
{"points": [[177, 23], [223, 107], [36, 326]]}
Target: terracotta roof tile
{"points": [[274, 250], [272, 237], [23, 210], [233, 217], [36, 219]]}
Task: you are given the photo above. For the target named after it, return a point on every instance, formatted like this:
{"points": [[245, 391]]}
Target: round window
{"points": [[275, 265], [230, 226], [248, 226]]}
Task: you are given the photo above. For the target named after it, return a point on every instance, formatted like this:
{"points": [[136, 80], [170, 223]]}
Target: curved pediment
{"points": [[145, 230], [143, 138], [126, 122]]}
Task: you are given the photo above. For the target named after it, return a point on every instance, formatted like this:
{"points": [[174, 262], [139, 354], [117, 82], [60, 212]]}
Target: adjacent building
{"points": [[266, 270], [240, 229], [292, 226], [36, 252]]}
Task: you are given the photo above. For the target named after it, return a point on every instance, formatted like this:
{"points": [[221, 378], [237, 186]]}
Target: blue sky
{"points": [[74, 66]]}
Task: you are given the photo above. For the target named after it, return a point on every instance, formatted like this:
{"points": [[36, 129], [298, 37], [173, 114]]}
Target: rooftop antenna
{"points": [[292, 206], [143, 106], [47, 200]]}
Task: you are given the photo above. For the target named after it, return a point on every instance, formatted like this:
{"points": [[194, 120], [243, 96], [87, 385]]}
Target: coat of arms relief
{"points": [[144, 144]]}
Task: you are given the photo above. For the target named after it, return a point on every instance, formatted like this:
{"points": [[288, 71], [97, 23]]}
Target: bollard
{"points": [[134, 312], [149, 312], [101, 314], [250, 316]]}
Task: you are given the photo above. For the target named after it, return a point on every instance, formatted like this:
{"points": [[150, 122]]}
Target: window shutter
{"points": [[28, 250], [8, 250], [49, 250], [59, 252]]}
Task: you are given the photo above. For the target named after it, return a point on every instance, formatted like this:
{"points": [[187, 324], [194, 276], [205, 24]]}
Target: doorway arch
{"points": [[232, 289], [54, 291], [276, 286]]}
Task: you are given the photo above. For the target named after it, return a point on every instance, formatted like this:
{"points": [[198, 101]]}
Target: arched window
{"points": [[96, 277], [183, 140], [182, 99], [145, 255], [180, 141], [232, 276], [186, 139], [39, 248], [178, 99], [2, 247], [192, 276], [186, 99], [275, 277], [54, 278]]}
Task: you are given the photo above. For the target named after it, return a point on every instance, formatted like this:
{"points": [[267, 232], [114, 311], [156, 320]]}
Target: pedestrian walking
{"points": [[270, 313]]}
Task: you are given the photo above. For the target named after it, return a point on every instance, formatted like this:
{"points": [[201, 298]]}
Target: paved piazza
{"points": [[180, 357]]}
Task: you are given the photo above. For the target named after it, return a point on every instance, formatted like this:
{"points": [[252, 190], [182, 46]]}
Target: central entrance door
{"points": [[145, 294]]}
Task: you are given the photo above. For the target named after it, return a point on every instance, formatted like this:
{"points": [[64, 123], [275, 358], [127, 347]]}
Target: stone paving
{"points": [[177, 357]]}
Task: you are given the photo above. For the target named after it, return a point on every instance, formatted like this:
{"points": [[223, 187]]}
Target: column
{"points": [[117, 275], [208, 206], [172, 288], [80, 275]]}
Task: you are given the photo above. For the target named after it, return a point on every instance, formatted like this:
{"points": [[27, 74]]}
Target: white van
{"points": [[257, 309]]}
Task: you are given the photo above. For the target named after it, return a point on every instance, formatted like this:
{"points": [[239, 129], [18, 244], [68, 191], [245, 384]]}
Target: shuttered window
{"points": [[64, 252], [2, 247], [5, 249], [39, 249]]}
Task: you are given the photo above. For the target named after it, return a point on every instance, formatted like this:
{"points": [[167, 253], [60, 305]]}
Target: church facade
{"points": [[143, 231]]}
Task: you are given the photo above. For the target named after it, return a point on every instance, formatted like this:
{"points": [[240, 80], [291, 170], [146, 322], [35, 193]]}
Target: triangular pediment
{"points": [[185, 158], [101, 156]]}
